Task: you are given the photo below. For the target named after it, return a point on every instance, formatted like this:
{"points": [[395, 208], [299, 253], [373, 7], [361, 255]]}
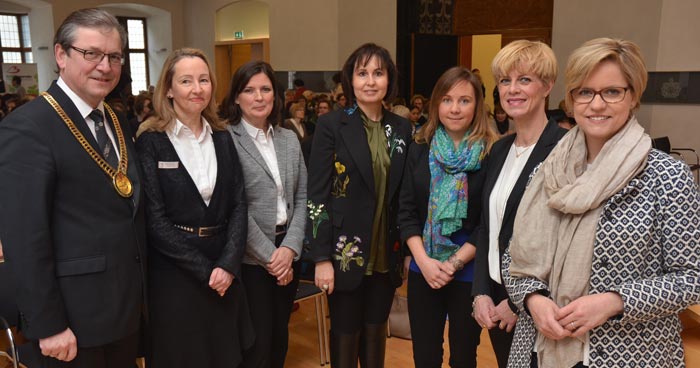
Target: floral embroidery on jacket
{"points": [[394, 143], [348, 251], [340, 181], [317, 214]]}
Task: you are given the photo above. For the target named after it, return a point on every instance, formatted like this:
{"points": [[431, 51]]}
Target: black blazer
{"points": [[173, 198], [74, 246], [415, 194], [492, 165], [340, 155]]}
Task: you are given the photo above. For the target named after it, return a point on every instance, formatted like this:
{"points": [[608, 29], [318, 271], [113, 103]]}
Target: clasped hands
{"points": [[488, 315], [437, 274], [576, 318], [280, 266]]}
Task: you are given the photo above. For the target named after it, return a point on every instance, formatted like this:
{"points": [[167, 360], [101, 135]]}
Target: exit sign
{"points": [[238, 35]]}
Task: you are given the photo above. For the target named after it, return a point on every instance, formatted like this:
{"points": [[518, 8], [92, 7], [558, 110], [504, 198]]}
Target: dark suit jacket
{"points": [[74, 246], [340, 141], [173, 198], [415, 194], [492, 165]]}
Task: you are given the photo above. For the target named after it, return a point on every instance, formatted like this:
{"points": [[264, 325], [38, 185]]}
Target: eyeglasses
{"points": [[96, 56], [610, 95]]}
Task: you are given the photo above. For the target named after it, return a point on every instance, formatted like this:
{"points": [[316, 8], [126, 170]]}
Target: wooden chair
{"points": [[308, 290]]}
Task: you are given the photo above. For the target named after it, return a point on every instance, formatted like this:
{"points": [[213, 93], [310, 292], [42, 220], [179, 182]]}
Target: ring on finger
{"points": [[573, 325]]}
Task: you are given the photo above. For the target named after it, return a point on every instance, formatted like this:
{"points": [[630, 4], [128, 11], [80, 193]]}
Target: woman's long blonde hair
{"points": [[164, 112]]}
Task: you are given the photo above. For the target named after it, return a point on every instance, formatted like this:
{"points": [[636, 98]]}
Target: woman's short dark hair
{"points": [[231, 111], [361, 57]]}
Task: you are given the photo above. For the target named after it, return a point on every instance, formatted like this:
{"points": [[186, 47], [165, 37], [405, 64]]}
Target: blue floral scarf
{"points": [[447, 205]]}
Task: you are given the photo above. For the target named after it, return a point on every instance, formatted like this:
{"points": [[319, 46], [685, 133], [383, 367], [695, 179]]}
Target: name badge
{"points": [[168, 164]]}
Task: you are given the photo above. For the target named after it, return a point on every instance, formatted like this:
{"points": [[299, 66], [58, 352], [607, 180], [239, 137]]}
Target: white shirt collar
{"points": [[254, 131], [82, 106], [178, 127]]}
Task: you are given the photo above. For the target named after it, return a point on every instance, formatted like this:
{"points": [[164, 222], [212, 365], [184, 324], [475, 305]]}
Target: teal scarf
{"points": [[447, 205]]}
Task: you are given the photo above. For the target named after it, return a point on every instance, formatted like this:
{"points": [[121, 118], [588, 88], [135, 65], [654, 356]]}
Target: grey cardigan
{"points": [[261, 193]]}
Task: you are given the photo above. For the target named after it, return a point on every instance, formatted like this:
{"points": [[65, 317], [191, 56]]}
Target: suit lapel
{"points": [[219, 148], [354, 136], [397, 158], [539, 153], [497, 158], [249, 146], [281, 152], [67, 105]]}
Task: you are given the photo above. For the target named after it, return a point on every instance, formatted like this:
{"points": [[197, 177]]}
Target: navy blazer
{"points": [[492, 165], [75, 247], [341, 179]]}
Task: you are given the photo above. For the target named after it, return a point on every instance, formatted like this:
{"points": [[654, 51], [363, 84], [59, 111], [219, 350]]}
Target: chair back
{"points": [[662, 144]]}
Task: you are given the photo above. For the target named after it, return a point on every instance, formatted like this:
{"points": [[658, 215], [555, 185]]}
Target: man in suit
{"points": [[71, 224]]}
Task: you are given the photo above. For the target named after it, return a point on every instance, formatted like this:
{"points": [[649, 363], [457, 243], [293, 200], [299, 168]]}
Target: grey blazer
{"points": [[261, 193]]}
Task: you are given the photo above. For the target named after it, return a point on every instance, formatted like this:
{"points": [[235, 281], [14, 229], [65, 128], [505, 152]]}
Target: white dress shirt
{"points": [[197, 154], [263, 142], [85, 111], [497, 203]]}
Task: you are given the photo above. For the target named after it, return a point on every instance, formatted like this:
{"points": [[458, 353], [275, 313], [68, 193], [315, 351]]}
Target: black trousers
{"points": [[119, 354], [500, 339], [369, 303], [270, 308], [427, 310]]}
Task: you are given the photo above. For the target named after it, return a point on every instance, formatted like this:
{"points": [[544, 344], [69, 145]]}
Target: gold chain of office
{"points": [[120, 181]]}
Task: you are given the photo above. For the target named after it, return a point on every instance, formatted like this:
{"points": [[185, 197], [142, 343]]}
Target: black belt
{"points": [[202, 232], [280, 229]]}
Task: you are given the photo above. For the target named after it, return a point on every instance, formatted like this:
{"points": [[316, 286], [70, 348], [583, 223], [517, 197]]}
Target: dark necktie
{"points": [[103, 141]]}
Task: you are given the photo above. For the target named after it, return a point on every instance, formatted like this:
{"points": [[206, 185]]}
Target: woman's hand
{"points": [[504, 316], [325, 276], [434, 272], [280, 265], [220, 280], [589, 311], [544, 313], [483, 309]]}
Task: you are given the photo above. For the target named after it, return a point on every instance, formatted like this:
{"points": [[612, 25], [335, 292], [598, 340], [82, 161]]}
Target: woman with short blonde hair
{"points": [[606, 242]]}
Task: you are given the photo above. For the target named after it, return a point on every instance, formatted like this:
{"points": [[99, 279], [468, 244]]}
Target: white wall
{"points": [[578, 21], [305, 34], [251, 17], [667, 31], [679, 50]]}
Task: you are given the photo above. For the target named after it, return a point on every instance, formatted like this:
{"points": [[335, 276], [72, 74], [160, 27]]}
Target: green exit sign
{"points": [[238, 35]]}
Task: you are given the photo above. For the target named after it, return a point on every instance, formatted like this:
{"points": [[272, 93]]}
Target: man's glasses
{"points": [[610, 95], [96, 56]]}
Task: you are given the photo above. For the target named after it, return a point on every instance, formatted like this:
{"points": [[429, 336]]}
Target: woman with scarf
{"points": [[525, 72], [356, 164], [439, 209], [606, 242]]}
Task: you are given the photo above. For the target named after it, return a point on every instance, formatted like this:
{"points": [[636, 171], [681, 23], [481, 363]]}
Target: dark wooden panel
{"points": [[465, 51], [432, 55], [487, 17]]}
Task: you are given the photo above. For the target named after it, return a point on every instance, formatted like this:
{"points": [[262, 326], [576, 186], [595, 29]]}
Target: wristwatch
{"points": [[456, 262]]}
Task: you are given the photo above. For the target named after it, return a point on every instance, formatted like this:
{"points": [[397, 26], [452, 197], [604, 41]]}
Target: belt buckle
{"points": [[202, 232]]}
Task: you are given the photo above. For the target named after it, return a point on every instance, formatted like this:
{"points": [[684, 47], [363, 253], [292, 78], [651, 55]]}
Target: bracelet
{"points": [[456, 262], [477, 297]]}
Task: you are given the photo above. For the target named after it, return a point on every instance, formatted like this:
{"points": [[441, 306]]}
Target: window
{"points": [[15, 41], [136, 53]]}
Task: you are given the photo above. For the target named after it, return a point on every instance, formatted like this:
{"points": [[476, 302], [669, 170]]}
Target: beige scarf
{"points": [[555, 225]]}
